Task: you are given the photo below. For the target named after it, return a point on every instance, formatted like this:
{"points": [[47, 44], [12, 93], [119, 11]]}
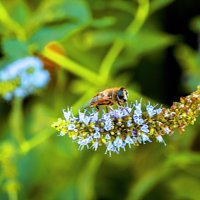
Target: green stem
{"points": [[35, 141], [73, 67], [12, 195], [88, 175], [118, 45], [109, 59], [11, 24], [140, 17], [16, 120]]}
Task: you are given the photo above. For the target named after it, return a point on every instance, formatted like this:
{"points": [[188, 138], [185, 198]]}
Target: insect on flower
{"points": [[128, 125], [109, 97]]}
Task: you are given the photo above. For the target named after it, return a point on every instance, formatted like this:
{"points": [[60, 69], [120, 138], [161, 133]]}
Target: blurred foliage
{"points": [[88, 46], [190, 62]]}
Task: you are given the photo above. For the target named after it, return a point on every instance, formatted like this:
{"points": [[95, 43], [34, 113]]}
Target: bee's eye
{"points": [[120, 94]]}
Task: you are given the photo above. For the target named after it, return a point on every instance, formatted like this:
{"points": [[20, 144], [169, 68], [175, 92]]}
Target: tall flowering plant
{"points": [[129, 125]]}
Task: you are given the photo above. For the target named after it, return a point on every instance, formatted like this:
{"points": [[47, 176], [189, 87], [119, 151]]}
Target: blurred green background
{"points": [[150, 47]]}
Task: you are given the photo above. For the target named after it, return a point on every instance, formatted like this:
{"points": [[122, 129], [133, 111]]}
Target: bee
{"points": [[109, 97]]}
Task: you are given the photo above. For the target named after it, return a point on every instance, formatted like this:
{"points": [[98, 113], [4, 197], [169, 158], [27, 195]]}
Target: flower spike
{"points": [[128, 125]]}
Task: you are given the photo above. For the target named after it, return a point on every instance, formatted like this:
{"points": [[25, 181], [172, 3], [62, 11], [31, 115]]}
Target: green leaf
{"points": [[143, 43], [147, 41], [103, 22], [146, 183], [125, 6], [14, 49], [183, 159], [119, 5], [195, 24], [88, 175], [100, 38], [189, 60], [38, 114], [20, 12], [51, 33], [55, 11], [80, 86], [61, 19], [159, 4], [185, 186]]}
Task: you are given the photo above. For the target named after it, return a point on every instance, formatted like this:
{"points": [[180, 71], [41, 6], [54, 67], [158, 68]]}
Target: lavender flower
{"points": [[145, 138], [131, 125], [145, 128], [138, 109], [94, 117], [118, 143], [150, 110], [67, 114], [129, 141], [107, 121], [29, 73], [110, 148], [107, 137], [97, 135], [95, 145], [160, 139]]}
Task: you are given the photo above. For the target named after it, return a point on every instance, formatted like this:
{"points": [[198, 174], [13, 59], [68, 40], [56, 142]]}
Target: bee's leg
{"points": [[107, 109], [119, 104], [110, 107], [97, 107]]}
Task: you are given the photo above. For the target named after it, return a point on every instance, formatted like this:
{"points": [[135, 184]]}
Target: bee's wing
{"points": [[94, 100], [90, 102], [100, 98]]}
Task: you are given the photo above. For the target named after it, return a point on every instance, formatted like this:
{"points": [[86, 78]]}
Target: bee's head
{"points": [[122, 95]]}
